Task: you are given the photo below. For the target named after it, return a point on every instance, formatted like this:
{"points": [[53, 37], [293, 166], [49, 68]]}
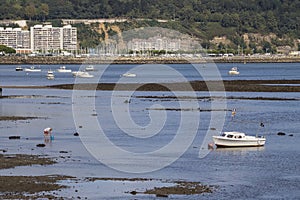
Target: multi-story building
{"points": [[69, 37], [48, 38], [15, 38], [45, 38], [155, 43], [40, 38]]}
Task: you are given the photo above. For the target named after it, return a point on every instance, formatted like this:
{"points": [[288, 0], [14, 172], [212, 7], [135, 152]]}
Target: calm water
{"points": [[270, 172], [111, 73]]}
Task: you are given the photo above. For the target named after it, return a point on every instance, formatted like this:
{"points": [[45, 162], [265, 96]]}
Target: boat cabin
{"points": [[236, 135]]}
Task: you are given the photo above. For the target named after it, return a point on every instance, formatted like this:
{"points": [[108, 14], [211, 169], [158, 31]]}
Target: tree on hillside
{"points": [[43, 11], [30, 11]]}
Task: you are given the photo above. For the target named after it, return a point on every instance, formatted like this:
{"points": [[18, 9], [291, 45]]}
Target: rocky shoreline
{"points": [[19, 60]]}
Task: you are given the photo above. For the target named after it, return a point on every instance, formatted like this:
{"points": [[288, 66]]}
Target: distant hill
{"points": [[279, 20]]}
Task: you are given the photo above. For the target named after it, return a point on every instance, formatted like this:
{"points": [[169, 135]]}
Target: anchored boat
{"points": [[238, 139], [63, 69], [32, 69], [234, 71], [50, 75]]}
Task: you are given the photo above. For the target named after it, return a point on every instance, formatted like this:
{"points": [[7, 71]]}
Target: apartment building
{"points": [[155, 43], [48, 38], [15, 38], [69, 37], [40, 38]]}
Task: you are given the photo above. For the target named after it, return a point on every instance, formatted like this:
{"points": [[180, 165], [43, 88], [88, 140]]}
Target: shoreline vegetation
{"points": [[10, 60]]}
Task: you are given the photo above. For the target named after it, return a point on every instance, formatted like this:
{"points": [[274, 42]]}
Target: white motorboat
{"points": [[234, 71], [32, 69], [82, 74], [90, 68], [19, 68], [238, 139], [76, 73], [50, 75], [129, 75], [85, 75], [63, 69]]}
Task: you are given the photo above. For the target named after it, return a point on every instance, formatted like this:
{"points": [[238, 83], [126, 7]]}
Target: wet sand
{"points": [[27, 187], [37, 187], [229, 86], [14, 118], [226, 85]]}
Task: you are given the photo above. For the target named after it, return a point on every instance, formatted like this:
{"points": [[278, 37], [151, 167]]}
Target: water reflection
{"points": [[238, 150]]}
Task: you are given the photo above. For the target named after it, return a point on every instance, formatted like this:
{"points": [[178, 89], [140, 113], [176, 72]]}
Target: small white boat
{"points": [[90, 68], [82, 74], [238, 139], [63, 69], [85, 75], [234, 71], [129, 75], [32, 69], [76, 73], [50, 75], [19, 68]]}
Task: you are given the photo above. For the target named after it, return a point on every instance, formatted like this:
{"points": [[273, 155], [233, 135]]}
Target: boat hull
{"points": [[129, 75], [233, 73], [19, 69], [50, 77], [82, 74], [64, 70], [234, 142], [32, 70]]}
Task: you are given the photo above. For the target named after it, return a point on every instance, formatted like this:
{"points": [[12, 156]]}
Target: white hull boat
{"points": [[82, 74], [77, 73], [238, 139], [63, 69], [32, 69], [234, 71], [19, 68], [129, 75], [90, 68], [50, 75]]}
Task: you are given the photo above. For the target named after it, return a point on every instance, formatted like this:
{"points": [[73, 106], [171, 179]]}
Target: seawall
{"points": [[18, 60]]}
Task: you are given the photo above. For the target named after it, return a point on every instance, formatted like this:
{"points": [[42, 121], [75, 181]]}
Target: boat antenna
{"points": [[261, 125]]}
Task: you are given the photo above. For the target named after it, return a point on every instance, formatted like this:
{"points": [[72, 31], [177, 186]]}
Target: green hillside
{"points": [[204, 19]]}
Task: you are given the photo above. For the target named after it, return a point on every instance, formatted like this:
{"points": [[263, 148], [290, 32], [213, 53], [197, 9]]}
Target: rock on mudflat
{"points": [[14, 137], [40, 145], [281, 133]]}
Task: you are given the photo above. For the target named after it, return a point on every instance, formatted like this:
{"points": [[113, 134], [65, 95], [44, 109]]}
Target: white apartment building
{"points": [[69, 37], [15, 38], [40, 38], [155, 43], [48, 38]]}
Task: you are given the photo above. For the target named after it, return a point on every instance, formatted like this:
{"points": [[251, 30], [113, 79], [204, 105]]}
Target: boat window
{"points": [[223, 134], [240, 136], [230, 136]]}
